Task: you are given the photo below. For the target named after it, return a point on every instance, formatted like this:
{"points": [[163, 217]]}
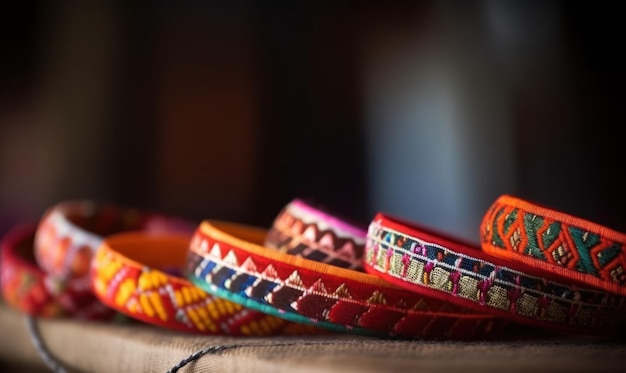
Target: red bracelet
{"points": [[433, 264], [305, 230], [139, 275], [71, 231], [541, 237], [229, 261], [29, 289]]}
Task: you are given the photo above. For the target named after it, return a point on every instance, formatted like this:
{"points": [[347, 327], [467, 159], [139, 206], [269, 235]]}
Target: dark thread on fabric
{"points": [[198, 354], [217, 349], [41, 348]]}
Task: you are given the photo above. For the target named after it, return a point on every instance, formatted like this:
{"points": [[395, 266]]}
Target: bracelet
{"points": [[304, 230], [228, 261], [27, 288], [432, 264], [572, 247], [71, 231], [139, 275]]}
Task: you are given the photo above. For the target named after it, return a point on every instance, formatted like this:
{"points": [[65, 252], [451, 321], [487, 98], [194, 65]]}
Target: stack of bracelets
{"points": [[313, 272], [68, 235], [290, 272], [140, 275]]}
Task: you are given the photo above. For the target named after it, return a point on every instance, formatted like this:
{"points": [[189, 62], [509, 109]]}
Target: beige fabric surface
{"points": [[99, 347]]}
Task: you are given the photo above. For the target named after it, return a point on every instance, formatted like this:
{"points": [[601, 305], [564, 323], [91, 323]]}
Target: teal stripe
{"points": [[496, 239], [607, 255], [583, 248], [532, 223], [265, 308], [551, 234]]}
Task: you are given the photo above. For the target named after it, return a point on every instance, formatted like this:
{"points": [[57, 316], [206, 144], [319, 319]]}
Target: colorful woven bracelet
{"points": [[27, 288], [227, 260], [302, 229], [140, 275], [70, 232], [432, 264], [572, 247]]}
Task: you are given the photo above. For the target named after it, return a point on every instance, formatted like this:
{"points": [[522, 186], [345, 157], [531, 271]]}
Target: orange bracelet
{"points": [[27, 288], [229, 261], [139, 274], [560, 243]]}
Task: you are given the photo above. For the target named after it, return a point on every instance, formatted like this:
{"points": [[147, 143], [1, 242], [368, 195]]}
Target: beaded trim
{"points": [[29, 289], [156, 297], [573, 247], [314, 293], [486, 284], [303, 230]]}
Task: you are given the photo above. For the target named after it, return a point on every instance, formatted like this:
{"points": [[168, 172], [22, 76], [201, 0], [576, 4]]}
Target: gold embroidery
{"points": [[497, 297], [467, 287], [414, 273], [439, 279], [527, 305], [556, 312], [382, 257], [396, 266]]}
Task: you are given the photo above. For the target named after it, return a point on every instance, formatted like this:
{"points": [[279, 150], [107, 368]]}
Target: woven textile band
{"points": [[227, 260], [71, 231], [29, 289], [140, 275], [304, 230], [432, 264], [572, 247]]}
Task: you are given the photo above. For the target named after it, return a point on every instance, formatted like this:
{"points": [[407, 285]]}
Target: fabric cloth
{"points": [[100, 347]]}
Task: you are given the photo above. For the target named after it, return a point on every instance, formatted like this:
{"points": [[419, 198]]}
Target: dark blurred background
{"points": [[228, 110]]}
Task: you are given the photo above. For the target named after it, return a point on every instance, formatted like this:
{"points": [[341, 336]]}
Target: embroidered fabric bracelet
{"points": [[227, 260], [70, 231], [302, 229], [27, 288], [572, 247], [432, 264], [140, 275]]}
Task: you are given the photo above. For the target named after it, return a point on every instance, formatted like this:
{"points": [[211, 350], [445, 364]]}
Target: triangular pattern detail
{"points": [[216, 251], [310, 233], [249, 289], [249, 266], [231, 258], [346, 251], [294, 279], [327, 241], [377, 298], [342, 292], [297, 227], [421, 305], [317, 287], [270, 272]]}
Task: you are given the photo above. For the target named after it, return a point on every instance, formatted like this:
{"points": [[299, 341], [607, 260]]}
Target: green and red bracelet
{"points": [[538, 236], [437, 265]]}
